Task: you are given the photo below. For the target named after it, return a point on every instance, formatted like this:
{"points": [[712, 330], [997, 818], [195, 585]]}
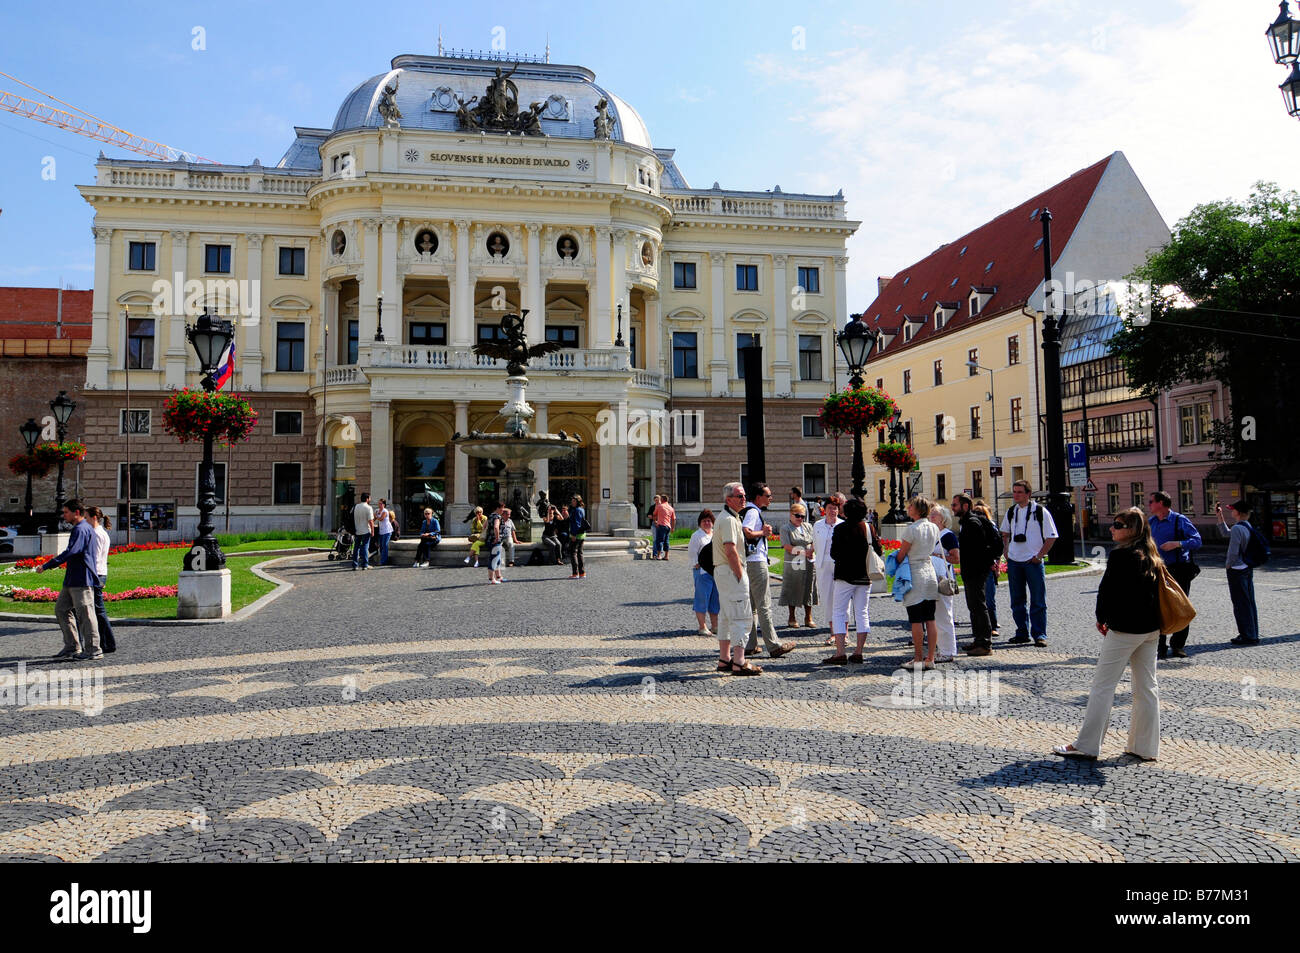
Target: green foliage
{"points": [[234, 539]]}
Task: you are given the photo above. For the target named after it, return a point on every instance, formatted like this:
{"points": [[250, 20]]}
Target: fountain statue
{"points": [[516, 446]]}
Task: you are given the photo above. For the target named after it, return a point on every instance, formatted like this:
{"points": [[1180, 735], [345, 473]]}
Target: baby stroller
{"points": [[343, 544]]}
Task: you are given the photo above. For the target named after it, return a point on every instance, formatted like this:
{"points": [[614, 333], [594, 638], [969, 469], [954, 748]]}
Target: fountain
{"points": [[516, 446]]}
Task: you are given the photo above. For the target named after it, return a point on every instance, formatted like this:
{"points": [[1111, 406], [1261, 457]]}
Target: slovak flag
{"points": [[226, 366]]}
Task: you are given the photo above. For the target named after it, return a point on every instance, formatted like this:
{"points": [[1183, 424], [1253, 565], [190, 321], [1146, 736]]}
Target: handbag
{"points": [[875, 565], [948, 584], [1176, 611]]}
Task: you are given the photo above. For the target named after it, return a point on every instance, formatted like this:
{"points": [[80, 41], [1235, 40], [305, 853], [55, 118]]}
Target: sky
{"points": [[933, 117]]}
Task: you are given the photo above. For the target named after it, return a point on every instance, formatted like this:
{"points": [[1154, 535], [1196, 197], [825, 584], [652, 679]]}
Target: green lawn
{"points": [[159, 567]]}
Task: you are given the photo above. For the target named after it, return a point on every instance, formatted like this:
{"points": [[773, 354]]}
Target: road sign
{"points": [[914, 483], [1090, 487], [995, 463], [1078, 477], [1076, 455]]}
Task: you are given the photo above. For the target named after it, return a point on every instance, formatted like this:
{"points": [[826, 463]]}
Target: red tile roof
{"points": [[34, 313], [1007, 242]]}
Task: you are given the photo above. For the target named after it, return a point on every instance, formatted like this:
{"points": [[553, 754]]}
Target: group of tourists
{"points": [[564, 533], [87, 633], [379, 523]]}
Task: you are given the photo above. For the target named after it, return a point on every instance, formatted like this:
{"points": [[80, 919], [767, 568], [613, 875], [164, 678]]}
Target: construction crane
{"points": [[88, 125]]}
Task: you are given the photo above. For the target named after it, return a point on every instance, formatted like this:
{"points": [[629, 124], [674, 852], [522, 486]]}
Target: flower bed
{"points": [[195, 414], [856, 409], [45, 594], [35, 561]]}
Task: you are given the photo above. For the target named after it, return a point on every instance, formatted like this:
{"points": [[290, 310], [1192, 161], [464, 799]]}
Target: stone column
{"points": [[175, 354], [460, 487], [391, 288], [842, 292], [780, 353], [533, 292], [599, 330], [542, 468], [462, 295], [368, 283], [99, 354], [381, 451], [249, 360], [651, 332], [719, 369], [618, 511]]}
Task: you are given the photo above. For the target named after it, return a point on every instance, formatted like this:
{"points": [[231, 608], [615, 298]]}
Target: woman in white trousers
{"points": [[1128, 618], [944, 557], [822, 531]]}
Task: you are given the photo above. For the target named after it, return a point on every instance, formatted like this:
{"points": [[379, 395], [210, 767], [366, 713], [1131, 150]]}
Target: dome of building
{"points": [[428, 88]]}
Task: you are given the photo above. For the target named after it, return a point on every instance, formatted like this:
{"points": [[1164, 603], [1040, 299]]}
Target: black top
{"points": [[974, 545], [1127, 599], [849, 550]]}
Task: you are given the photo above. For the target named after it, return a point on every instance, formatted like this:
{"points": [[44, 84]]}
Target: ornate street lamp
{"points": [[618, 341], [897, 482], [993, 427], [1284, 41], [379, 330], [31, 432], [62, 408], [1058, 496], [209, 337], [855, 344]]}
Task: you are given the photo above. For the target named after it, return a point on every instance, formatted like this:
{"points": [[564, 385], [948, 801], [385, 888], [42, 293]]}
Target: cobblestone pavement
{"points": [[408, 714]]}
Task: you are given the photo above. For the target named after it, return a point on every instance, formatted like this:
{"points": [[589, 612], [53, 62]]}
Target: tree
{"points": [[1238, 265]]}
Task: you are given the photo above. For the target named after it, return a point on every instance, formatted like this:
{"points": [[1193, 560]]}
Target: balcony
{"points": [[718, 202], [611, 362]]}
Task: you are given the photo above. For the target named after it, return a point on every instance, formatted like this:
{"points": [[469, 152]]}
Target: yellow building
{"points": [[363, 267]]}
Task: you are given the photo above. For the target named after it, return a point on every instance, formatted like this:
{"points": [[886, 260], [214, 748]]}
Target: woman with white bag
{"points": [[944, 557], [854, 570]]}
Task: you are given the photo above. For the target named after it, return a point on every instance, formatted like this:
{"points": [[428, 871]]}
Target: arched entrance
{"points": [[422, 474]]}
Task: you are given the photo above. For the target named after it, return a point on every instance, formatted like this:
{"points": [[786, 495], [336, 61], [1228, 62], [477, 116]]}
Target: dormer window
{"points": [[880, 342], [943, 312], [907, 331], [979, 297]]}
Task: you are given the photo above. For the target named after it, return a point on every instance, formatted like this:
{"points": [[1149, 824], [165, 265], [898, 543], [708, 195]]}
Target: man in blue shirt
{"points": [[75, 608], [1177, 539]]}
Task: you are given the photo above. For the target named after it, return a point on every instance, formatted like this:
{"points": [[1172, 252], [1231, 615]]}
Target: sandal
{"points": [[836, 660], [724, 666], [746, 669]]}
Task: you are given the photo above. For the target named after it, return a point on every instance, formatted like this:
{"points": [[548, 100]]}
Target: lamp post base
{"points": [[203, 595]]}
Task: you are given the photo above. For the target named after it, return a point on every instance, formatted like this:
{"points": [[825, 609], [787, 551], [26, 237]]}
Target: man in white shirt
{"points": [[1028, 532], [756, 533], [363, 524], [822, 531]]}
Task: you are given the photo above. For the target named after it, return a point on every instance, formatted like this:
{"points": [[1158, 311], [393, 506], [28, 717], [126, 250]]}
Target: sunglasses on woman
{"points": [[1119, 525]]}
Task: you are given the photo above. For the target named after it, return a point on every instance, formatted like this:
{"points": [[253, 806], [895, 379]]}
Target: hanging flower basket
{"points": [[895, 456], [195, 414], [69, 451], [856, 409], [26, 463]]}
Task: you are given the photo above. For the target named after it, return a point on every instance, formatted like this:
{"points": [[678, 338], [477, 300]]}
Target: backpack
{"points": [[751, 548], [992, 538], [1257, 551]]}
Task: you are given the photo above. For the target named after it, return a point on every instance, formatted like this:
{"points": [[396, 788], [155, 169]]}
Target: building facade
{"points": [[979, 299], [362, 268]]}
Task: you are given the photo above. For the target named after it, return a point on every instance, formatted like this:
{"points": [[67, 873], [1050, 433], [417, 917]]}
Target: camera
{"points": [[1018, 538]]}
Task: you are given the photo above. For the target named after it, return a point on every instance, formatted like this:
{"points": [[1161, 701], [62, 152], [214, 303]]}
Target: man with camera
{"points": [[1028, 533]]}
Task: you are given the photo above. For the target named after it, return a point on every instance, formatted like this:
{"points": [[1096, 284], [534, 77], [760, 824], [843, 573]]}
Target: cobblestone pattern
{"points": [[408, 715]]}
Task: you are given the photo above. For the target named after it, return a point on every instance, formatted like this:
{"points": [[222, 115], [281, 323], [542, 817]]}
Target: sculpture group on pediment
{"points": [[497, 110], [387, 106]]}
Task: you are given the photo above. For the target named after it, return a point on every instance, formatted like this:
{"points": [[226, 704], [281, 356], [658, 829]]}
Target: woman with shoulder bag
{"points": [[944, 556], [1129, 620], [850, 542]]}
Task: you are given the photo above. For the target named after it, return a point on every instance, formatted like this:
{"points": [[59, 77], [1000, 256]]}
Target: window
{"points": [[134, 421], [882, 498], [1013, 349], [489, 333], [426, 334], [977, 483], [1017, 424], [1017, 473], [341, 163], [814, 479], [1211, 490], [286, 479], [139, 481], [1205, 428], [941, 487], [1115, 433], [684, 274], [1092, 378], [288, 423], [1195, 424], [219, 471], [290, 345], [1112, 497], [139, 343], [907, 433], [907, 382], [938, 372], [810, 280], [141, 255], [938, 428], [216, 259], [1185, 502], [810, 357], [975, 423], [566, 335], [688, 424], [880, 383], [688, 483], [1137, 497], [747, 277], [354, 341], [685, 354], [744, 340], [974, 304], [744, 425], [972, 358], [812, 427], [293, 261]]}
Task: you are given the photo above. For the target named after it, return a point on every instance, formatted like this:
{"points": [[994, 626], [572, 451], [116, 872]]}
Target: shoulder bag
{"points": [[1176, 612], [875, 565]]}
